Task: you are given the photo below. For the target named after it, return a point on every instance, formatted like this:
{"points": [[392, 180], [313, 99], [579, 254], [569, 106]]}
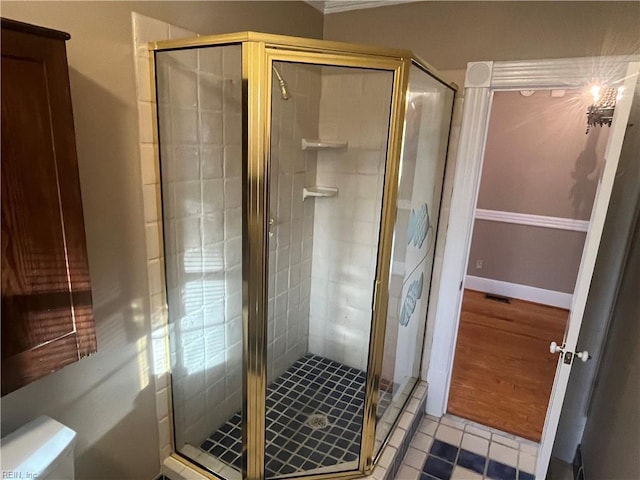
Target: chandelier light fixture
{"points": [[604, 104]]}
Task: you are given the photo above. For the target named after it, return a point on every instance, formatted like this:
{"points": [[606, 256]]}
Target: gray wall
{"points": [[524, 255], [612, 433], [537, 161], [450, 34], [109, 398]]}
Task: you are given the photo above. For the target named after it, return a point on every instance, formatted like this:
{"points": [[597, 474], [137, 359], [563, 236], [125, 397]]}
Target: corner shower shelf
{"points": [[319, 192], [308, 144]]}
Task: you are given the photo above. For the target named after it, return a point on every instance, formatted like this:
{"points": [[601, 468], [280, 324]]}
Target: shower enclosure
{"points": [[301, 184]]}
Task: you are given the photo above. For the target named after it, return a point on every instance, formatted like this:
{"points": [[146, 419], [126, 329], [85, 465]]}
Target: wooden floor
{"points": [[503, 371]]}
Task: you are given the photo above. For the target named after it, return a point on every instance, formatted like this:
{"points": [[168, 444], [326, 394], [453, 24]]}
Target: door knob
{"points": [[583, 355], [555, 348]]}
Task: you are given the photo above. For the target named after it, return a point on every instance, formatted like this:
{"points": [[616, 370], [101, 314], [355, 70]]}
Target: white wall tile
{"points": [[149, 164], [422, 441], [232, 193], [408, 473], [211, 62], [460, 473], [164, 432], [146, 119], [527, 462], [153, 240], [210, 91], [336, 228], [529, 447], [503, 454], [509, 442], [172, 468], [185, 161], [184, 125], [448, 434], [162, 403], [480, 432], [155, 277], [144, 80], [415, 458], [452, 422], [184, 88], [475, 444], [145, 30], [211, 157], [213, 196]]}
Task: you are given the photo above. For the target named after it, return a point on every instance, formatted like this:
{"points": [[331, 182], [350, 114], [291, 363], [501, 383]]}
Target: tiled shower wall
{"points": [[354, 107], [146, 29], [291, 243]]}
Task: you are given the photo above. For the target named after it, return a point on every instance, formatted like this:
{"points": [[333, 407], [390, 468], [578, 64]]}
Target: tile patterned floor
{"points": [[313, 385], [454, 449]]}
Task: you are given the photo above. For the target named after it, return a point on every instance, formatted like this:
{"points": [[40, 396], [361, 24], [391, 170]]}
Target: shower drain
{"points": [[318, 421]]}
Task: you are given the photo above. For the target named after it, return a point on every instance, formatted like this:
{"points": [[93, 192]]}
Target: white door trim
{"points": [[482, 79], [473, 132]]}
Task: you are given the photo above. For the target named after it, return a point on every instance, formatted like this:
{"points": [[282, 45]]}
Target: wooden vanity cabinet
{"points": [[47, 315]]}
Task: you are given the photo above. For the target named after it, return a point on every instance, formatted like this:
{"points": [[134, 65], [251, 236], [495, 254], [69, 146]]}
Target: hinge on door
{"points": [[568, 358], [460, 287]]}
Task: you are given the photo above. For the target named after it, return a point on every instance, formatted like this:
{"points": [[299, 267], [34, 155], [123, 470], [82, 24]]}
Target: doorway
{"points": [[538, 182], [482, 81]]}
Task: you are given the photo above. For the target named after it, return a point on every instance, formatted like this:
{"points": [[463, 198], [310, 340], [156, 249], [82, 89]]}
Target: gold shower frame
{"points": [[259, 51]]}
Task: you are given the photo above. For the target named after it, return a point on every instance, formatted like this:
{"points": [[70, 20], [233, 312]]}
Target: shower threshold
{"points": [[313, 420]]}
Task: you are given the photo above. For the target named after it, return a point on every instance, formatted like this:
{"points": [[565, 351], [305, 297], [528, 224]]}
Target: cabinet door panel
{"points": [[47, 319], [36, 303]]}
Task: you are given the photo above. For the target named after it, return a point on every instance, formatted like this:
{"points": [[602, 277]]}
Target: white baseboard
{"points": [[522, 292]]}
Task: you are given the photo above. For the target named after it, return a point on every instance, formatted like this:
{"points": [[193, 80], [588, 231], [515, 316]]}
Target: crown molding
{"points": [[317, 4], [336, 6]]}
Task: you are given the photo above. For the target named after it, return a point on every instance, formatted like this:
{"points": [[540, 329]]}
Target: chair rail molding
{"points": [[558, 223]]}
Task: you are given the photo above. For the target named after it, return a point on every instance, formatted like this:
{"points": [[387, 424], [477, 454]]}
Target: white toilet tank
{"points": [[41, 449]]}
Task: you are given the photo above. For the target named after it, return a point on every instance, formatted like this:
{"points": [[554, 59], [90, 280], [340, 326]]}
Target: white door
{"points": [[567, 350], [482, 79]]}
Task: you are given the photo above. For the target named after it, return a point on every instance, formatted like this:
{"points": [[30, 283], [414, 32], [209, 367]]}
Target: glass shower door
{"points": [[428, 116], [201, 168], [329, 134]]}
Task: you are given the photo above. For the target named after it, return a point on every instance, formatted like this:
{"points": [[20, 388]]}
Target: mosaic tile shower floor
{"points": [[312, 386]]}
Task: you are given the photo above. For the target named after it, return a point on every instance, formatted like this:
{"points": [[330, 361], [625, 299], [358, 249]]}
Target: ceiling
{"points": [[334, 6]]}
